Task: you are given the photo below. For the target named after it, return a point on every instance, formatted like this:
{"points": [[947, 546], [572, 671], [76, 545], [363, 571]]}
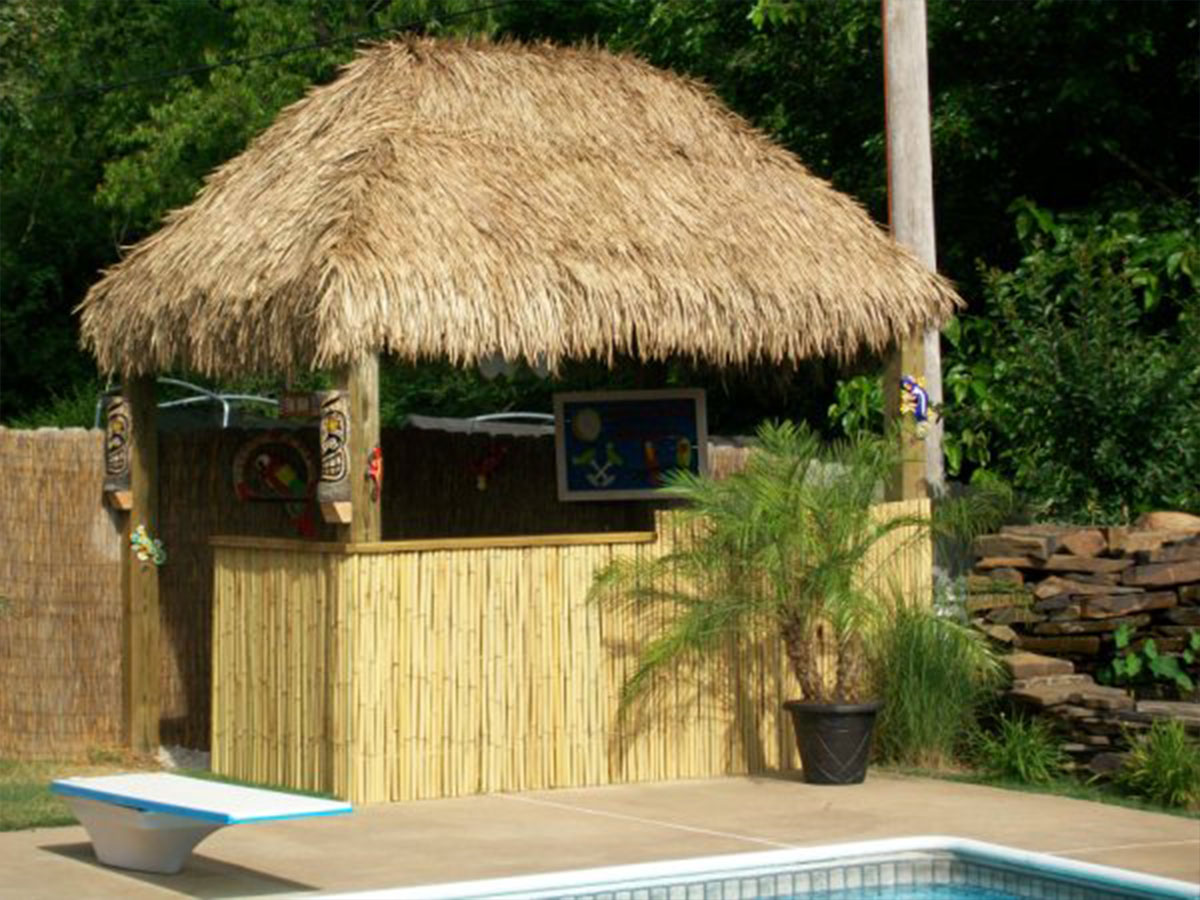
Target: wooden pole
{"points": [[908, 480], [910, 213], [360, 381], [141, 668]]}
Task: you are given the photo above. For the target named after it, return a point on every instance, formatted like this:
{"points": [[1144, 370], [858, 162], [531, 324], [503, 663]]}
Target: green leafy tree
{"points": [[1076, 105], [1084, 374], [1080, 382], [111, 114], [54, 135]]}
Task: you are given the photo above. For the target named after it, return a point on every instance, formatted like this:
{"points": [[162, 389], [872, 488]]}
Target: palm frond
{"points": [[790, 541]]}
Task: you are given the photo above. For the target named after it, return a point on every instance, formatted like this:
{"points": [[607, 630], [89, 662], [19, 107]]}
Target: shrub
{"points": [[780, 550], [1163, 766], [933, 675], [1020, 749], [1146, 665], [1082, 375], [74, 408]]}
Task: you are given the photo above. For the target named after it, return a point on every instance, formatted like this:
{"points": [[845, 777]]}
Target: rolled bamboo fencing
{"points": [[435, 668], [60, 596]]}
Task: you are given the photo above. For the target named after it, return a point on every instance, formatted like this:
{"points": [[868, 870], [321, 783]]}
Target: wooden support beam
{"points": [[908, 480], [361, 384], [910, 214], [141, 667]]}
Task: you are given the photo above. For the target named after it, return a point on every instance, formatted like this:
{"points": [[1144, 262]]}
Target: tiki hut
{"points": [[465, 200], [462, 201]]}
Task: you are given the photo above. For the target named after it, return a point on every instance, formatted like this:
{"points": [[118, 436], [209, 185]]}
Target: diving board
{"points": [[152, 821]]}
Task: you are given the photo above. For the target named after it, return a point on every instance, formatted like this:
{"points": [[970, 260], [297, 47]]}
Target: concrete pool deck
{"points": [[513, 834]]}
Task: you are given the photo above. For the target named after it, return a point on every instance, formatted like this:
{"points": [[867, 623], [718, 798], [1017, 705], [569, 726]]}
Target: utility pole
{"points": [[910, 214]]}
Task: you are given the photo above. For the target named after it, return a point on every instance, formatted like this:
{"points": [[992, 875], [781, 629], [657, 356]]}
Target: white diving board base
{"points": [[151, 822]]}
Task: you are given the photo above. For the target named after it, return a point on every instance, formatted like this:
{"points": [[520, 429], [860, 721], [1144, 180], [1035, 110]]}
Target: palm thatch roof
{"points": [[466, 199]]}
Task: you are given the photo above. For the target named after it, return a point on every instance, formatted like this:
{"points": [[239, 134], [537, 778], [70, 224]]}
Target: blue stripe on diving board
{"points": [[74, 790]]}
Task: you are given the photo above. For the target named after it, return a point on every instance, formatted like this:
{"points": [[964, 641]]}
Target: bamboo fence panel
{"points": [[273, 711], [428, 671], [902, 563], [60, 596]]}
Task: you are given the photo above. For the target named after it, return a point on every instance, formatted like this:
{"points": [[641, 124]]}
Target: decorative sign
{"points": [[619, 445], [274, 466], [116, 444], [334, 485]]}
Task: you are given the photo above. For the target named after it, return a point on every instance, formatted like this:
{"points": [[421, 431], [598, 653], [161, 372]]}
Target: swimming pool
{"points": [[917, 868]]}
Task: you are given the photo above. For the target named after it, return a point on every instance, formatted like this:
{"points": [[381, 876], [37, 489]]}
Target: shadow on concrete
{"points": [[202, 876]]}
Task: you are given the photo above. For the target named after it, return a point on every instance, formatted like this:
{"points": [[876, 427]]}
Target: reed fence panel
{"points": [[442, 668], [60, 596]]}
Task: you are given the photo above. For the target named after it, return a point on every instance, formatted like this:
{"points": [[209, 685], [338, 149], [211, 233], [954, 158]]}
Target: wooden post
{"points": [[141, 668], [910, 213], [908, 481], [360, 381]]}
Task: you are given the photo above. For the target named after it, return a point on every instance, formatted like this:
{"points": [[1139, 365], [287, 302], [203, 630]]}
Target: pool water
{"points": [[920, 892], [935, 875], [912, 868]]}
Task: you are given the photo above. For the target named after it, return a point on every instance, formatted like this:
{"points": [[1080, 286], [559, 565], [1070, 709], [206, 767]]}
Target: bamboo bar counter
{"points": [[407, 670]]}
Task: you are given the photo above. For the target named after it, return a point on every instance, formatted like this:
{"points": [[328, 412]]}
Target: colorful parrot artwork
{"points": [[486, 465], [279, 476], [276, 467]]}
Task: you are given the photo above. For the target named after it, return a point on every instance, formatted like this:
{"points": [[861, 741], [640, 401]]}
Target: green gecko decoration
{"points": [[148, 550]]}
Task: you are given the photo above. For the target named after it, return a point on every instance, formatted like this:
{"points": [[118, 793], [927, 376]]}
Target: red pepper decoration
{"points": [[375, 472], [488, 464]]}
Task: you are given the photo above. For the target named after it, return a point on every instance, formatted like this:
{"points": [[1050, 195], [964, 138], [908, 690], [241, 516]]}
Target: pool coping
{"points": [[751, 865]]}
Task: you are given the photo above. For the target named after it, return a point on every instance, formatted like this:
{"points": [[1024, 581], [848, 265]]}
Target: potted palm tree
{"points": [[780, 548]]}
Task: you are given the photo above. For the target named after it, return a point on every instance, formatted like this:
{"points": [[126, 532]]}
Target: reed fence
{"points": [[420, 669], [60, 596]]}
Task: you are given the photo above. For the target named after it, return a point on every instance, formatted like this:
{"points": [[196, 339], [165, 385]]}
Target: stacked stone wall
{"points": [[1056, 596]]}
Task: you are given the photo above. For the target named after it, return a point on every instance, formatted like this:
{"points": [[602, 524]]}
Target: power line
{"points": [[99, 89]]}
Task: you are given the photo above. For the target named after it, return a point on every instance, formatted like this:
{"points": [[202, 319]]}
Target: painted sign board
{"points": [[619, 445]]}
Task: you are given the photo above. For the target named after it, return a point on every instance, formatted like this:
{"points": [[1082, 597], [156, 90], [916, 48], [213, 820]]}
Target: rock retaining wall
{"points": [[1056, 595], [1095, 722]]}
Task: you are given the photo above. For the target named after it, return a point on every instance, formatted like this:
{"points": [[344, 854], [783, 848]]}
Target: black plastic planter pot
{"points": [[834, 739]]}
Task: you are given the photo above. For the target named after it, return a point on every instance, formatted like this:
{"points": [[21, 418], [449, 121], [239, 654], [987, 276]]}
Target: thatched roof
{"points": [[462, 200]]}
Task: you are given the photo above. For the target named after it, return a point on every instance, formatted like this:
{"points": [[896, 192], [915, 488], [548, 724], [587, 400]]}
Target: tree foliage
{"points": [[1079, 107], [1083, 379], [1080, 380], [111, 114]]}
